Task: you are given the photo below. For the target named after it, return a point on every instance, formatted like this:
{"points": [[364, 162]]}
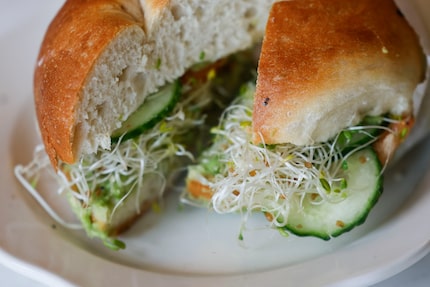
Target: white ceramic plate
{"points": [[183, 246]]}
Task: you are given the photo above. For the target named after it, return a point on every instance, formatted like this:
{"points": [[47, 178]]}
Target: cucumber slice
{"points": [[327, 219], [153, 110], [350, 140]]}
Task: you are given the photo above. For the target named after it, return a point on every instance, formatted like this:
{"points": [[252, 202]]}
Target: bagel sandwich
{"points": [[307, 144], [122, 87]]}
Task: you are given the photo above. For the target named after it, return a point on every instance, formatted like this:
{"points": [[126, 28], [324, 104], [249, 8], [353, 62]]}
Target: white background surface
{"points": [[417, 275]]}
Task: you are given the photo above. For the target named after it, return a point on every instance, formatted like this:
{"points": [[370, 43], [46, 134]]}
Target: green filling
{"points": [[349, 139], [155, 108], [212, 162], [331, 219], [334, 173], [160, 144], [85, 216]]}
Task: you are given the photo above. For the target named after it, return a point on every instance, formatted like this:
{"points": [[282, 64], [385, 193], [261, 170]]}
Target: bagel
{"points": [[100, 59], [334, 69], [333, 100], [99, 62]]}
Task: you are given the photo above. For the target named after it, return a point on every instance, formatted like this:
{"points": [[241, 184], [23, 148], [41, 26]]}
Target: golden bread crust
{"points": [[325, 62], [73, 42]]}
